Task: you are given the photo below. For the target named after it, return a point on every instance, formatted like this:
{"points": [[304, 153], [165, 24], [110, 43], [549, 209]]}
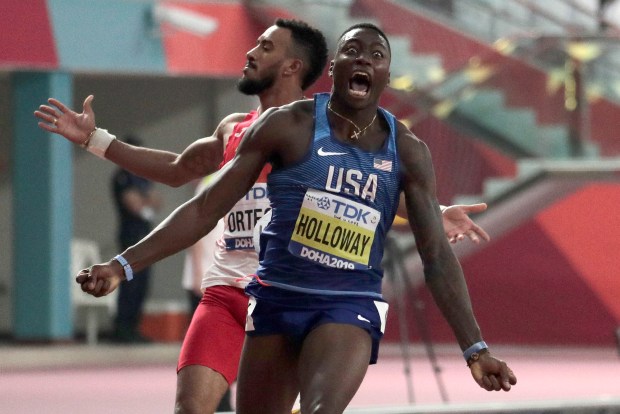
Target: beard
{"points": [[255, 86]]}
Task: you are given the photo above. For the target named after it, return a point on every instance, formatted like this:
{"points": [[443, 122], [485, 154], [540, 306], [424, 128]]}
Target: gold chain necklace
{"points": [[360, 131]]}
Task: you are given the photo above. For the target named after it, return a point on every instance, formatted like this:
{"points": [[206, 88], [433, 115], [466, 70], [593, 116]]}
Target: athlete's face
{"points": [[361, 67], [265, 61]]}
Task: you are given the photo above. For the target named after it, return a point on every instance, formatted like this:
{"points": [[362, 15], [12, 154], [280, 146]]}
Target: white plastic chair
{"points": [[83, 254]]}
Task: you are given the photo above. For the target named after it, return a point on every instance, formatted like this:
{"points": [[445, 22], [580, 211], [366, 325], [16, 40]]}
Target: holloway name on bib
{"points": [[334, 231]]}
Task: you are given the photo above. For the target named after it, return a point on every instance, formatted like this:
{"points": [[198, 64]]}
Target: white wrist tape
{"points": [[99, 142]]}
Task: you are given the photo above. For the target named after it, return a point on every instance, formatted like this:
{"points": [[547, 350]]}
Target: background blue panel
{"points": [[43, 206], [106, 36]]}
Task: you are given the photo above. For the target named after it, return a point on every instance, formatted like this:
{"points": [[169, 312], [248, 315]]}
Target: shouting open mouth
{"points": [[359, 84]]}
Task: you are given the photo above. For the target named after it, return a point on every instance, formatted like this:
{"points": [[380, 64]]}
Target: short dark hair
{"points": [[313, 46], [367, 26]]}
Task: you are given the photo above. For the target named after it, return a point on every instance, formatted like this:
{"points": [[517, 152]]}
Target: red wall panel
{"points": [[26, 33]]}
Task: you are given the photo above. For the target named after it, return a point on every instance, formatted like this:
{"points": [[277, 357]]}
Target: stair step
{"points": [[517, 125], [493, 187]]}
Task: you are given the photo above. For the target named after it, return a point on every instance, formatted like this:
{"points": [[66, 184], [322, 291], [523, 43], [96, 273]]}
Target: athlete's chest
{"points": [[350, 171]]}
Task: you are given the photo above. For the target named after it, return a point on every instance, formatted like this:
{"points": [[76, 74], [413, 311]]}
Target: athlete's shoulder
{"points": [[414, 154], [405, 136], [284, 132], [292, 113], [227, 125], [294, 108], [234, 118]]}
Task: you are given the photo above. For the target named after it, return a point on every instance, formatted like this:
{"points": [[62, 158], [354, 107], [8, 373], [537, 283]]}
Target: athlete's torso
{"points": [[235, 257], [331, 213]]}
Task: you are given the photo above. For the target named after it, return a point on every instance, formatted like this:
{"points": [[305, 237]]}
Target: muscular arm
{"points": [[198, 160], [195, 218], [442, 270], [201, 158]]}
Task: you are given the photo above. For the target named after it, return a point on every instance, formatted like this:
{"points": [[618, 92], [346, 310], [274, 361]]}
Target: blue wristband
{"points": [[477, 347], [126, 267]]}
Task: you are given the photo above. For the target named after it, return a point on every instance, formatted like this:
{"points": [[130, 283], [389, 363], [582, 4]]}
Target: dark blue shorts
{"points": [[274, 311]]}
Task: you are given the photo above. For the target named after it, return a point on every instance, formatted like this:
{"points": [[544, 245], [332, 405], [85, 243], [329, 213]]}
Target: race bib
{"points": [[334, 231], [240, 221]]}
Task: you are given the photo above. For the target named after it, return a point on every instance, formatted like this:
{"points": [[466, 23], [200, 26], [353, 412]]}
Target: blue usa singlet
{"points": [[330, 215]]}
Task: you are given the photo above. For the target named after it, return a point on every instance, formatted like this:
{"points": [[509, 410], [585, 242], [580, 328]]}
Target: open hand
{"points": [[458, 225], [60, 119]]}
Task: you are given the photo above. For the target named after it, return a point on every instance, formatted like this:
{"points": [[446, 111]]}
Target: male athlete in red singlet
{"points": [[215, 335]]}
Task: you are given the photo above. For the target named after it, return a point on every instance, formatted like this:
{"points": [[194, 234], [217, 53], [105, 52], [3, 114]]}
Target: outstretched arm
{"points": [[189, 222], [442, 271], [201, 158]]}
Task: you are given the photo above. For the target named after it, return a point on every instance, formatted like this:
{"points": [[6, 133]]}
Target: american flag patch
{"points": [[383, 165]]}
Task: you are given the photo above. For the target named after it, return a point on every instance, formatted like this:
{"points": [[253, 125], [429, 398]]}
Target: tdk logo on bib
{"points": [[323, 203], [351, 212], [256, 193]]}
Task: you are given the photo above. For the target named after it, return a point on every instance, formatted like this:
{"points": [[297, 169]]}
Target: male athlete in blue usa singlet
{"points": [[332, 210], [339, 203]]}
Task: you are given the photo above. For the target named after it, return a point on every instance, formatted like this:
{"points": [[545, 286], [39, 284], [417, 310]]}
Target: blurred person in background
{"points": [[136, 203]]}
